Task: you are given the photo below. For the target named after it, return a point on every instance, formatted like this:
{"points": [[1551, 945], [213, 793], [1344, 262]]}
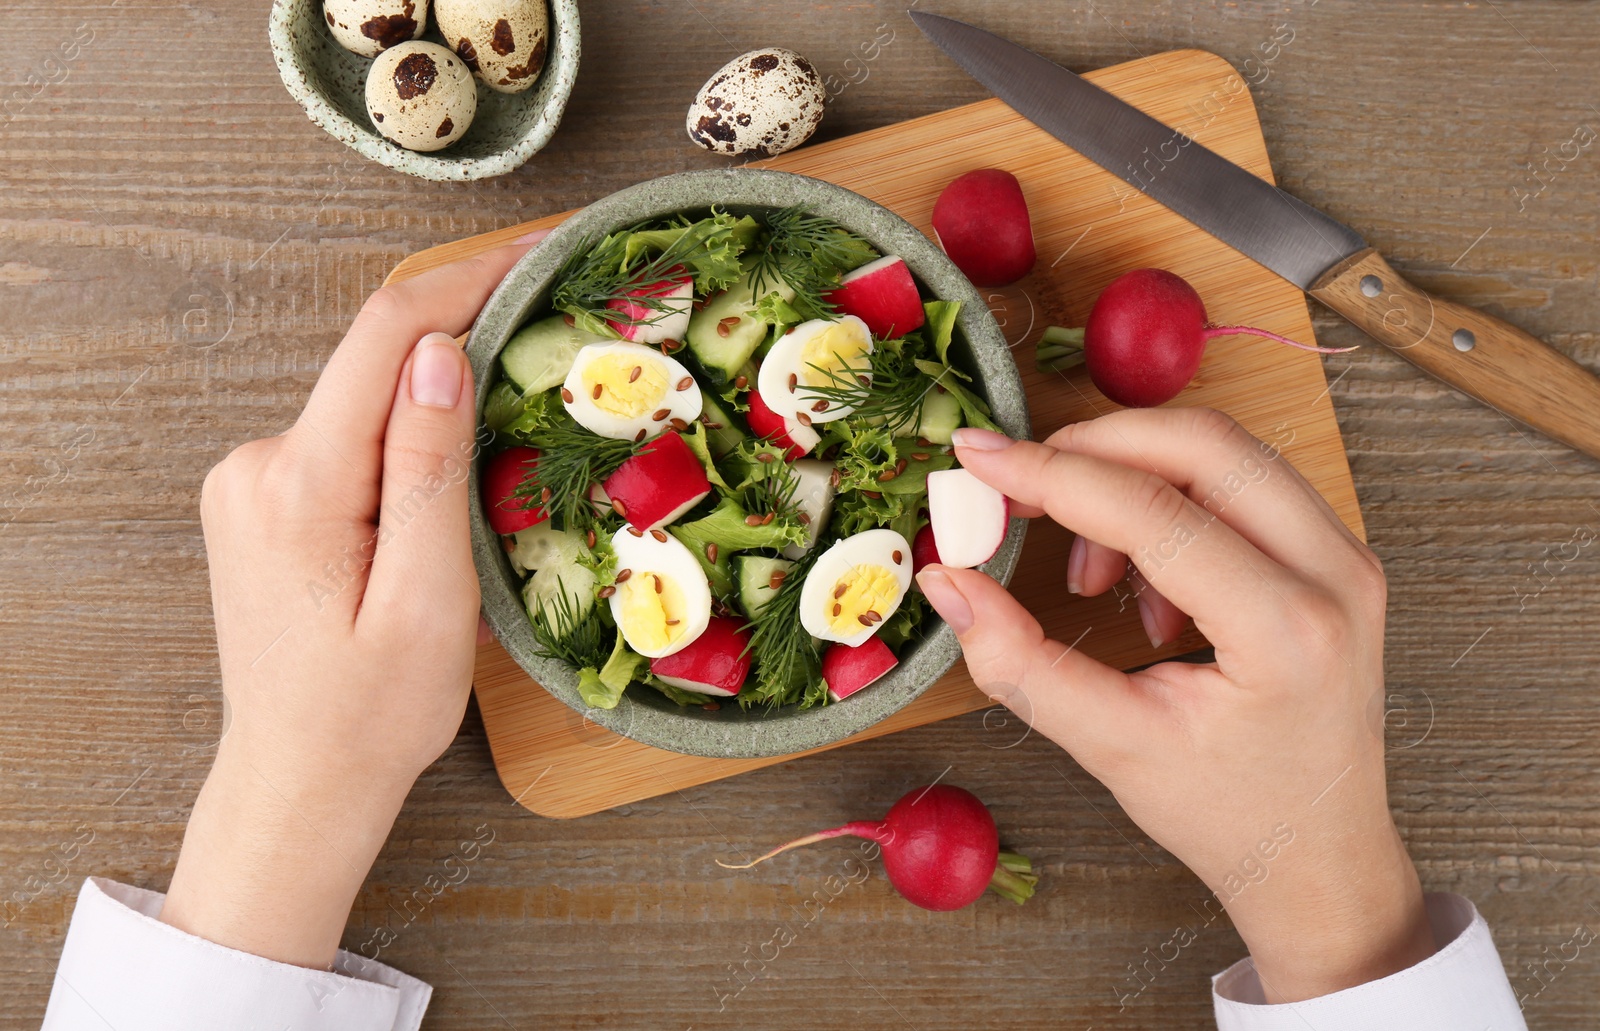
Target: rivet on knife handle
{"points": [[1494, 361]]}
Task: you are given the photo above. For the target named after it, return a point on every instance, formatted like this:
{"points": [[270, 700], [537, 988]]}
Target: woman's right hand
{"points": [[1263, 771]]}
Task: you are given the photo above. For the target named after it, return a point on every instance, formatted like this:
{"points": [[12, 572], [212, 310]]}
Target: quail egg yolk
{"points": [[839, 350], [628, 387], [864, 589], [652, 610]]}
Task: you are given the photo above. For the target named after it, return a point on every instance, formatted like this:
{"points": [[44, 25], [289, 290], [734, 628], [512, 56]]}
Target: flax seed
{"points": [[834, 478], [616, 506], [767, 519], [669, 345], [805, 518], [820, 406], [924, 442], [623, 574], [838, 609], [802, 418], [566, 395], [887, 475], [672, 622], [606, 592], [633, 377], [900, 467], [725, 326], [661, 536], [686, 383], [544, 496], [776, 580], [711, 707], [752, 520], [898, 557], [679, 425], [657, 580], [569, 320], [766, 458], [838, 592], [794, 381], [711, 553], [660, 414], [589, 539], [638, 438], [741, 382], [598, 387], [865, 619], [874, 495], [865, 381], [635, 531], [919, 456]]}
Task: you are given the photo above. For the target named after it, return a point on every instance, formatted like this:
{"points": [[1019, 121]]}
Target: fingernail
{"points": [[946, 598], [1075, 562], [533, 237], [1148, 618], [981, 440], [436, 371]]}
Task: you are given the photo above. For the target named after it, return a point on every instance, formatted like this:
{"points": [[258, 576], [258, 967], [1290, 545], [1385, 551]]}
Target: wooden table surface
{"points": [[180, 250]]}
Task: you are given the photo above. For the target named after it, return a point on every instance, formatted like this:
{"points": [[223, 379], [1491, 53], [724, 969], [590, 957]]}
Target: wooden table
{"points": [[180, 249]]}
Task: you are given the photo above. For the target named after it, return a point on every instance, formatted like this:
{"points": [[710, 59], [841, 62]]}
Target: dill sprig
{"points": [[571, 460], [614, 269], [892, 396], [809, 253], [783, 654], [562, 634]]}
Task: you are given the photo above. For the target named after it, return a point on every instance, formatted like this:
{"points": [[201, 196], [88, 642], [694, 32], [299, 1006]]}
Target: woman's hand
{"points": [[347, 608], [1263, 771]]}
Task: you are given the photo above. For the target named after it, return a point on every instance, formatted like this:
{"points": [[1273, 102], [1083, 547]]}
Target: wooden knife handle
{"points": [[1493, 361]]}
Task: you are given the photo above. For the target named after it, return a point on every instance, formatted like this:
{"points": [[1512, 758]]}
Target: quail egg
{"points": [[420, 95], [369, 27], [761, 103], [504, 42], [856, 585]]}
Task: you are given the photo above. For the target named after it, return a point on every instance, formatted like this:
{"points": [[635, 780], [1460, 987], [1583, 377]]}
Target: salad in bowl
{"points": [[718, 452]]}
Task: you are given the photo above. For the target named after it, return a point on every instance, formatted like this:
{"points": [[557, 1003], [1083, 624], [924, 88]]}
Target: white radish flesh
{"points": [[968, 518]]}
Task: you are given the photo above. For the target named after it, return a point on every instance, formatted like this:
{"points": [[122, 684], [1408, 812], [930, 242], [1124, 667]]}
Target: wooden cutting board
{"points": [[1089, 228]]}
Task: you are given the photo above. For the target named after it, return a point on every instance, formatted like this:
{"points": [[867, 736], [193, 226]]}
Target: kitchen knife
{"points": [[1493, 361]]}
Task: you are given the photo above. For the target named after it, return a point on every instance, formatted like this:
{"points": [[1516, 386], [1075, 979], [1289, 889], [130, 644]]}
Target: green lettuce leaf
{"points": [[603, 689]]}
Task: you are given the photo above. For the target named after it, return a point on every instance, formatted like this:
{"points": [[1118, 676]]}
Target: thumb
{"points": [[1068, 697], [423, 562]]}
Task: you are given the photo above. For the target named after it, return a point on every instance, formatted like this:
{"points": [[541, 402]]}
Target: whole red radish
{"points": [[1144, 339], [502, 476], [981, 220], [940, 850]]}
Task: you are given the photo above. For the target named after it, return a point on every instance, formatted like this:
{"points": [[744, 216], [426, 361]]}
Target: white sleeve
{"points": [[1462, 985], [123, 968]]}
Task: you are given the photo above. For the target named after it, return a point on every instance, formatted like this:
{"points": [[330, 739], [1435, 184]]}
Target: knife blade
{"points": [[1484, 357]]}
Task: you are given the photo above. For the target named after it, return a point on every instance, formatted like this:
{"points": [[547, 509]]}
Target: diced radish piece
{"points": [[644, 324], [795, 439], [813, 495], [715, 664], [501, 477], [968, 518], [883, 295], [923, 550], [981, 220], [599, 500], [847, 670], [659, 484]]}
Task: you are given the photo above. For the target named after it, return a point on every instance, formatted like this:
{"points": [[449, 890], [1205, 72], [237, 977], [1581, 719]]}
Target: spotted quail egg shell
{"points": [[504, 42], [369, 27], [421, 96], [761, 103]]}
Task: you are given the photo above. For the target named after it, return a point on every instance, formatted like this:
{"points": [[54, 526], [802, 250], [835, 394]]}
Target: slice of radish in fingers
{"points": [[968, 518], [661, 313], [502, 477], [715, 664], [883, 295], [848, 670], [659, 484]]}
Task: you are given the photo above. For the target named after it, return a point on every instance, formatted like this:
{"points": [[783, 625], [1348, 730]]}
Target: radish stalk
{"points": [[1060, 349]]}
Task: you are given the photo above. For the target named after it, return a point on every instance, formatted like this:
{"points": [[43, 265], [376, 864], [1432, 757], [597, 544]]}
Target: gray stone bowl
{"points": [[980, 349], [330, 83]]}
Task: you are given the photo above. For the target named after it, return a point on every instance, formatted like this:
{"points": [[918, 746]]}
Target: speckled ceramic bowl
{"points": [[330, 83], [980, 348]]}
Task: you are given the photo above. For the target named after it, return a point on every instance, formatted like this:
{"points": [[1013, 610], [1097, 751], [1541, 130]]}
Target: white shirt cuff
{"points": [[1461, 986], [121, 967]]}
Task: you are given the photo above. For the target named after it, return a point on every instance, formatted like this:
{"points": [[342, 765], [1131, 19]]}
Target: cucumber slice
{"points": [[543, 588], [755, 580], [540, 355], [941, 416], [729, 432], [723, 353], [543, 545]]}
